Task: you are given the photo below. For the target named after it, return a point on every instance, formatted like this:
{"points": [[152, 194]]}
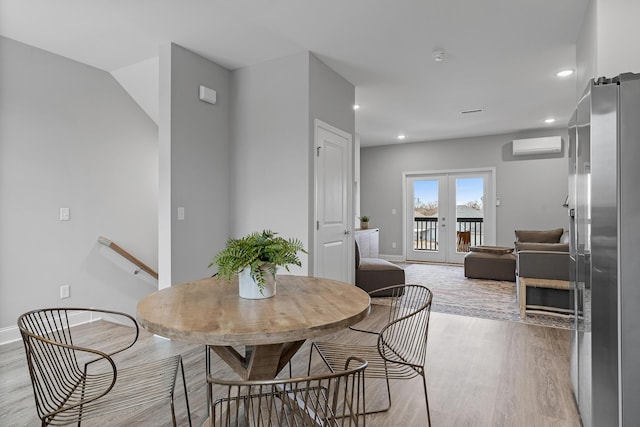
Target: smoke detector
{"points": [[438, 55]]}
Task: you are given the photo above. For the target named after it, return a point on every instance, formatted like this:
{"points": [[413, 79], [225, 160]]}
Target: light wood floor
{"points": [[479, 373]]}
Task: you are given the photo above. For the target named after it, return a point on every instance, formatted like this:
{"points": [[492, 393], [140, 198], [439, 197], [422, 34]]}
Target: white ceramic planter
{"points": [[249, 289]]}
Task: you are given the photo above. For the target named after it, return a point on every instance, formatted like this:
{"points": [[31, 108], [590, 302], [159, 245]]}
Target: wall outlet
{"points": [[64, 291], [393, 245]]}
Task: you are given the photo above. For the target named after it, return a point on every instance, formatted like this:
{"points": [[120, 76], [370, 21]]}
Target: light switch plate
{"points": [[65, 214]]}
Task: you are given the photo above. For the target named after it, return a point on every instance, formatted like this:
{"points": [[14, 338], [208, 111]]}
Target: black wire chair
{"points": [[72, 383], [331, 399], [401, 346]]}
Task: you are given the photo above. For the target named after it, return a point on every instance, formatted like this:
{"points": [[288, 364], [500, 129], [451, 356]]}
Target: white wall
{"points": [[607, 43], [531, 188], [70, 136], [88, 146], [195, 167], [140, 80], [586, 50], [617, 37], [275, 104], [270, 154]]}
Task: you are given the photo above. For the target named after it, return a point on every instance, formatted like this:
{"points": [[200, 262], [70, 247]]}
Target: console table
{"points": [[368, 242], [524, 282]]}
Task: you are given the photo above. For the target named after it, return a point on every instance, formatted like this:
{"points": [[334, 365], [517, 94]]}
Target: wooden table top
{"points": [[209, 311]]}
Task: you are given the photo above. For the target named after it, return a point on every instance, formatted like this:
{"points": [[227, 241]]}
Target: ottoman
{"points": [[490, 262]]}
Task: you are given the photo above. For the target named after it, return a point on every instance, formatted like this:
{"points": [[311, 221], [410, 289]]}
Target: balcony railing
{"points": [[425, 231]]}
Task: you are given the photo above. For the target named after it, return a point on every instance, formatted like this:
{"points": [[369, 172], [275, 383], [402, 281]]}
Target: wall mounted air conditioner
{"points": [[546, 145]]}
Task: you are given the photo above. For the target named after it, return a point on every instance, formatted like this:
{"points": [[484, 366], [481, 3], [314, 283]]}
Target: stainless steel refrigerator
{"points": [[604, 211]]}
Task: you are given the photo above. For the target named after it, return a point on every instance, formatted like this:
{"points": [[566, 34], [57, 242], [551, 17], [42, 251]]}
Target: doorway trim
{"points": [[490, 237]]}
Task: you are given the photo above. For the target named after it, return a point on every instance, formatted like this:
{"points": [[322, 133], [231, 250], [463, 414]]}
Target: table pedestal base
{"points": [[260, 362]]}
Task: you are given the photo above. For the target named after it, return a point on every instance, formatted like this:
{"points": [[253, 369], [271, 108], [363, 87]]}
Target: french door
{"points": [[448, 212]]}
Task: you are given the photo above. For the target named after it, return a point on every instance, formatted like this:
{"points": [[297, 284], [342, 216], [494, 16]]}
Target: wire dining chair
{"points": [[330, 399], [72, 383], [401, 345]]}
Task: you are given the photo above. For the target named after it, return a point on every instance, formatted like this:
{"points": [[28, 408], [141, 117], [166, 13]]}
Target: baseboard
{"points": [[451, 264], [401, 258], [12, 333], [9, 334], [392, 258]]}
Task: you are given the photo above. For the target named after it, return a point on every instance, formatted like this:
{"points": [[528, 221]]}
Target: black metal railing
{"points": [[474, 225], [425, 231]]}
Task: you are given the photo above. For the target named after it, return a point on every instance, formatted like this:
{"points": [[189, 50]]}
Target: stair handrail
{"points": [[117, 249]]}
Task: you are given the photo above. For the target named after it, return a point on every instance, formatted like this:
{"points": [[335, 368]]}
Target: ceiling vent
{"points": [[473, 110], [547, 145]]}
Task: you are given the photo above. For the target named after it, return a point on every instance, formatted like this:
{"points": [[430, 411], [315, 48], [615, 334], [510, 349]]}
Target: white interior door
{"points": [[334, 248], [446, 213]]}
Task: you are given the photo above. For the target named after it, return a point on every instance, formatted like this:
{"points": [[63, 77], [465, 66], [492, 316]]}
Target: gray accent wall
{"points": [[70, 136], [531, 188], [331, 99], [195, 168]]}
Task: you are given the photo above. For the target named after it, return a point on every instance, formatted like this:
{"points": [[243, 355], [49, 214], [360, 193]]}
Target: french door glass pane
{"points": [[425, 213], [469, 212]]}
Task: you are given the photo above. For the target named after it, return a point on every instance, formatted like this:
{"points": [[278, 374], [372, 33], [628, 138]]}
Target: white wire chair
{"points": [[331, 399], [72, 383], [401, 346]]}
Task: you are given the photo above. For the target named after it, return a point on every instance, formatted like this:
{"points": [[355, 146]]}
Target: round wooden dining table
{"points": [[271, 330]]}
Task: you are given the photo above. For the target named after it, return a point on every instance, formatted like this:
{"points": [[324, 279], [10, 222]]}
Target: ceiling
{"points": [[500, 55]]}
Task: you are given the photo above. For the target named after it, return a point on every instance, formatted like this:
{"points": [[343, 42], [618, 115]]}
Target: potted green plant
{"points": [[364, 222], [255, 258]]}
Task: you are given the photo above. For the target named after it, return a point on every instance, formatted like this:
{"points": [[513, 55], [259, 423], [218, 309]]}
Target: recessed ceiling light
{"points": [[550, 120], [564, 73], [401, 136], [356, 106]]}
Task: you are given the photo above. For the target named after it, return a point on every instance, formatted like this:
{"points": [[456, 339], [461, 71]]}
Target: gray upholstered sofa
{"points": [[376, 273], [542, 270]]}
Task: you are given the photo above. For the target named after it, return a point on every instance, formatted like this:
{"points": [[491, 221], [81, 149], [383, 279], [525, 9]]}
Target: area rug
{"points": [[488, 299]]}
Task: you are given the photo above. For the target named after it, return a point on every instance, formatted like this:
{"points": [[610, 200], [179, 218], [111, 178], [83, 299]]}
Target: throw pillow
{"points": [[537, 236], [498, 250]]}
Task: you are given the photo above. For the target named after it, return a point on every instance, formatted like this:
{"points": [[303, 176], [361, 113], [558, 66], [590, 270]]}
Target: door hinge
{"points": [[317, 225]]}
